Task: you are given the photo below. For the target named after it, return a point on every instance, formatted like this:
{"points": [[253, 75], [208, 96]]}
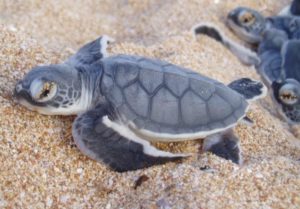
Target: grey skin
{"points": [[276, 59], [125, 101]]}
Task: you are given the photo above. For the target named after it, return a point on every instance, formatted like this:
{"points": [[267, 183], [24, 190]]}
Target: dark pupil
{"points": [[45, 93], [247, 19]]}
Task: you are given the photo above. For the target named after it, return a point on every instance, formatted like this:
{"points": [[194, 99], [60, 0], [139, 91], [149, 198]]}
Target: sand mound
{"points": [[40, 167]]}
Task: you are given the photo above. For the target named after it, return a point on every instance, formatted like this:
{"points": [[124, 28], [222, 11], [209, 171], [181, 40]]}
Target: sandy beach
{"points": [[41, 167]]}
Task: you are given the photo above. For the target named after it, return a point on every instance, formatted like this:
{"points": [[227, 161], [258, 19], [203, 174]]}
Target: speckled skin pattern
{"points": [[165, 98]]}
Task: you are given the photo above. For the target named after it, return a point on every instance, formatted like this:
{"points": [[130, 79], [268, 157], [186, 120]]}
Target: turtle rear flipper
{"points": [[91, 52], [103, 139], [250, 89], [225, 145], [246, 56]]}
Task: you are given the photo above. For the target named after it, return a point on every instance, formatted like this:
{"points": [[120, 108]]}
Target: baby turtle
{"points": [[125, 101], [277, 57]]}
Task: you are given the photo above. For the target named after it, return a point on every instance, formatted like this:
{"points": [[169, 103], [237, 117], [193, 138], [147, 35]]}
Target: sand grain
{"points": [[40, 167]]}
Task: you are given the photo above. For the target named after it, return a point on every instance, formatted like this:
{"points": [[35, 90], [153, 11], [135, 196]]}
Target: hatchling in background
{"points": [[277, 57], [125, 101]]}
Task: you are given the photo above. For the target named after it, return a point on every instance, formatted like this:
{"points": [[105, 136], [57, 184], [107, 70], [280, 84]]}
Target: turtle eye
{"points": [[288, 95], [247, 18], [43, 91]]}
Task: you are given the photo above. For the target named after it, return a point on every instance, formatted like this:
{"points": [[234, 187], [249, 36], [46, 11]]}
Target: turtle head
{"points": [[52, 90], [247, 23], [68, 88], [287, 95]]}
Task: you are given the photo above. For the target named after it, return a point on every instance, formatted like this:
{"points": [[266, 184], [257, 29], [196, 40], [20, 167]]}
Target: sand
{"points": [[40, 166]]}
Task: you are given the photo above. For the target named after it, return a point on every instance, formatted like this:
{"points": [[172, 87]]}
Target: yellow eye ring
{"points": [[47, 88], [43, 91], [247, 18]]}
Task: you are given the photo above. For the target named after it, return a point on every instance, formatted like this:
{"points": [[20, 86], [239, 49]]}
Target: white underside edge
{"points": [[166, 137], [124, 131]]}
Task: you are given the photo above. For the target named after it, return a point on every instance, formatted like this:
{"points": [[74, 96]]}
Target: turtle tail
{"points": [[245, 55], [250, 89]]}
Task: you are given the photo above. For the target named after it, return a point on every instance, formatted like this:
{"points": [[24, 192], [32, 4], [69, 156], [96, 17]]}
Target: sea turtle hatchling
{"points": [[125, 101], [277, 59]]}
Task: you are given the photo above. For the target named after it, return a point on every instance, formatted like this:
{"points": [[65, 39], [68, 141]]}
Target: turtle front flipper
{"points": [[91, 52], [99, 136], [250, 89], [225, 145], [246, 56]]}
